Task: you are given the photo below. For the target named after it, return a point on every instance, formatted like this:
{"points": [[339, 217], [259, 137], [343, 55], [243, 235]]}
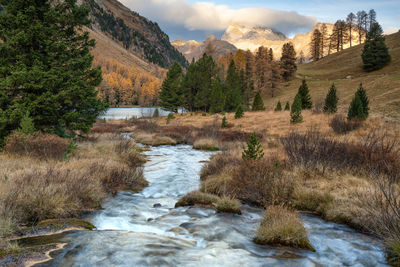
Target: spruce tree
{"points": [[375, 54], [239, 112], [305, 97], [224, 124], [331, 101], [295, 113], [362, 94], [287, 106], [171, 95], [254, 149], [156, 113], [258, 103], [232, 89], [27, 126], [278, 106], [46, 66], [356, 110], [217, 99]]}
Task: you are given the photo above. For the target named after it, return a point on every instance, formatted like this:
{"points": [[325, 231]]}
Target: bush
{"points": [[287, 106], [196, 198], [262, 182], [39, 145], [377, 153], [228, 205], [217, 163], [27, 126], [341, 125], [170, 117], [156, 113], [282, 227]]}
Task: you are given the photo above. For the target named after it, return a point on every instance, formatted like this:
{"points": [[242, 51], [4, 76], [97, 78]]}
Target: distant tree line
{"points": [[324, 42], [231, 82]]}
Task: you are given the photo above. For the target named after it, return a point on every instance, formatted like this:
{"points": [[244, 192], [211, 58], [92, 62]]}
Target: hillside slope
{"points": [[383, 86], [135, 33]]}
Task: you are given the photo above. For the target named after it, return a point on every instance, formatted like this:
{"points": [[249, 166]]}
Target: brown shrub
{"points": [[182, 134], [341, 125], [262, 182], [38, 145], [217, 163], [108, 128], [146, 125], [376, 153]]}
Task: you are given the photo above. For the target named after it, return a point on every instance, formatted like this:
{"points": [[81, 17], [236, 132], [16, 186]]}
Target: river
{"points": [[132, 232]]}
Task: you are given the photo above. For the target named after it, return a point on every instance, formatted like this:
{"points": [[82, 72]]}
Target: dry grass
{"points": [[228, 205], [32, 190], [197, 198], [206, 144], [282, 227], [153, 139]]}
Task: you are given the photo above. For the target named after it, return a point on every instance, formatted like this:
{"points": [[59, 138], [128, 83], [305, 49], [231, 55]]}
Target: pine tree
{"points": [[356, 110], [288, 61], [315, 45], [362, 94], [254, 149], [258, 103], [224, 124], [217, 98], [287, 106], [27, 126], [375, 54], [278, 106], [295, 113], [156, 113], [46, 66], [304, 93], [232, 89], [239, 112], [170, 94], [331, 101]]}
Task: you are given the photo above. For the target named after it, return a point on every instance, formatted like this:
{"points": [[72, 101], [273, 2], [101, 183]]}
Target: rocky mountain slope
{"points": [[133, 32], [213, 46]]}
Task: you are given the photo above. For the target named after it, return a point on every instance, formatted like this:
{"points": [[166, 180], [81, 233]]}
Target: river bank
{"points": [[43, 195]]}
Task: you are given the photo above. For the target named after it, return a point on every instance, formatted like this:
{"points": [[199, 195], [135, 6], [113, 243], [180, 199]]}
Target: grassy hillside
{"points": [[383, 86]]}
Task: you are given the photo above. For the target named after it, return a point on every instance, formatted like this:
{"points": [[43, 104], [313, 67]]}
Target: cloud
{"points": [[211, 18]]}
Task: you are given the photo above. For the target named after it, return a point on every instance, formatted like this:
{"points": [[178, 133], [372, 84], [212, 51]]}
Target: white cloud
{"points": [[207, 16]]}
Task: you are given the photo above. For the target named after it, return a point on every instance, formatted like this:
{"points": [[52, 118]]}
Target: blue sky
{"points": [[191, 19]]}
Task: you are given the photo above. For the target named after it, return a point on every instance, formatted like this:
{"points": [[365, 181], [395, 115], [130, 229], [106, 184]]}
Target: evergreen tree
{"points": [[287, 106], [331, 101], [304, 93], [170, 95], [278, 106], [46, 66], [232, 89], [295, 113], [156, 113], [239, 112], [362, 94], [288, 61], [375, 54], [217, 98], [254, 149], [224, 124], [356, 110], [258, 103], [27, 126], [206, 71]]}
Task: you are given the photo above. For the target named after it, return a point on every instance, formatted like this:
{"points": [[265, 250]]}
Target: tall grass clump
{"points": [[282, 227]]}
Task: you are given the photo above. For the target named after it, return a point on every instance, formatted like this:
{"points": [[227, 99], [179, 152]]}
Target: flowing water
{"points": [[132, 232]]}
